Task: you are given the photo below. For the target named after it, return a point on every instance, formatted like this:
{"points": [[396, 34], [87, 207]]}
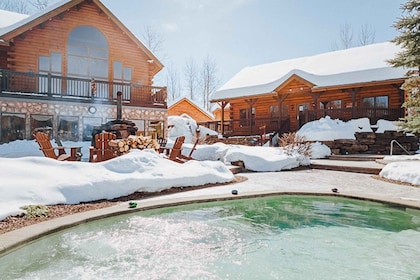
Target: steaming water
{"points": [[285, 237]]}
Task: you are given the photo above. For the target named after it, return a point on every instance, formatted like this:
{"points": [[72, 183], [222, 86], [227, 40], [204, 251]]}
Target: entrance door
{"points": [[302, 114]]}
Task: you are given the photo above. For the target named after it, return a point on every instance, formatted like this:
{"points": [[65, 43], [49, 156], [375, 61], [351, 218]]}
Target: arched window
{"points": [[87, 53]]}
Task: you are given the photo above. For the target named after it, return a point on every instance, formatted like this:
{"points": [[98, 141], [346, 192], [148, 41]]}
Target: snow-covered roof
{"points": [[8, 18], [349, 66], [15, 22], [193, 103], [21, 20]]}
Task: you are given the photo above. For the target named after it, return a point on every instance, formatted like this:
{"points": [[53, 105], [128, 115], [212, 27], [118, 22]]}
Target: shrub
{"points": [[36, 210], [294, 143]]}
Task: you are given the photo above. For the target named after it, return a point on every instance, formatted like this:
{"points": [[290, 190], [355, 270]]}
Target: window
{"points": [[43, 123], [50, 65], [375, 102], [88, 124], [68, 128], [140, 124], [122, 80], [87, 57], [156, 129], [247, 117], [12, 127], [333, 104]]}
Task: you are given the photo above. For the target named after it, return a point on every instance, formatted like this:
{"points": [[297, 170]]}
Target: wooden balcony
{"points": [[60, 88], [256, 126]]}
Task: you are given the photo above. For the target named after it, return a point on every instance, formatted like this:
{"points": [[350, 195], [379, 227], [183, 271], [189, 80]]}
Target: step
{"points": [[357, 157], [365, 167]]}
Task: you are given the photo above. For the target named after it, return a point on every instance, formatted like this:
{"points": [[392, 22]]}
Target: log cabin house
{"points": [[193, 110], [62, 68], [283, 96]]}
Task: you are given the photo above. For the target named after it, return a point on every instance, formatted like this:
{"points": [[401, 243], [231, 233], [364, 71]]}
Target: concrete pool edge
{"points": [[13, 240]]}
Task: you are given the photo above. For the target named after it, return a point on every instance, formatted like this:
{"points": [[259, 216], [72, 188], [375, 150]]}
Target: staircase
{"points": [[367, 164]]}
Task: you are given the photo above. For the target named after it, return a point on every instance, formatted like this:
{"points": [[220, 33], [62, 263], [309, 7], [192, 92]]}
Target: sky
{"points": [[240, 33], [48, 181]]}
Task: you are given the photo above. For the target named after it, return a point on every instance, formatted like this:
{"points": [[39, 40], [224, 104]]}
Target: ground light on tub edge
{"points": [[132, 204], [234, 192]]}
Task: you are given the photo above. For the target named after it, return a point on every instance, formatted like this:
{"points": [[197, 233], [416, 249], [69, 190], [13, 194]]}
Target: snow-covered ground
{"points": [[27, 177]]}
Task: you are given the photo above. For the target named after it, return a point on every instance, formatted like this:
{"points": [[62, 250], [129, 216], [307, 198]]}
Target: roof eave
{"points": [[357, 85]]}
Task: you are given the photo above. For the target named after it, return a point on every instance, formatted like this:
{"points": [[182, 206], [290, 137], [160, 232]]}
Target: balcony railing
{"points": [[47, 86], [255, 126]]}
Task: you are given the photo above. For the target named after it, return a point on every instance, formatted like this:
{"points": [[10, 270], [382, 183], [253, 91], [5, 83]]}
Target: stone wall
{"points": [[104, 113], [374, 143]]}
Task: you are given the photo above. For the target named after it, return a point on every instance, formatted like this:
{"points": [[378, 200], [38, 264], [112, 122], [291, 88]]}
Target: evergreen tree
{"points": [[409, 39]]}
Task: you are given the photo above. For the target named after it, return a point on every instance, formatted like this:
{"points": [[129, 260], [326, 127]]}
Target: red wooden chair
{"points": [[101, 150], [49, 151]]}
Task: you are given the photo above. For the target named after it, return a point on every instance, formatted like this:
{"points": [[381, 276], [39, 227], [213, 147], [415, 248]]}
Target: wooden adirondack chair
{"points": [[162, 144], [101, 150], [176, 151], [49, 151]]}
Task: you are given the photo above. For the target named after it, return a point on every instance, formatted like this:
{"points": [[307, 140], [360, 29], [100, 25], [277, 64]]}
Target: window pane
{"points": [[56, 62], [78, 50], [127, 74], [335, 104], [41, 123], [368, 102], [88, 36], [382, 101], [274, 111], [77, 66], [118, 70], [68, 128], [12, 127], [88, 124], [98, 68], [98, 53], [44, 64]]}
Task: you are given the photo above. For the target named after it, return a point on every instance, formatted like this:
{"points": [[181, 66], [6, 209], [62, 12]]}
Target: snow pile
{"points": [[47, 181], [184, 126], [403, 171], [327, 129]]}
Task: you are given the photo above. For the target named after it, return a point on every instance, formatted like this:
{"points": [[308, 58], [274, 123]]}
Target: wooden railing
{"points": [[256, 126], [47, 86]]}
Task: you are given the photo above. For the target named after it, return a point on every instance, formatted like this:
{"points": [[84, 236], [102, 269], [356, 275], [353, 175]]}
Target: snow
{"points": [[30, 178], [355, 65], [341, 61], [8, 18]]}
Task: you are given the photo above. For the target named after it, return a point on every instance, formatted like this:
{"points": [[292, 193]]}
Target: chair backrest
{"points": [[103, 151], [162, 144], [177, 148], [45, 144]]}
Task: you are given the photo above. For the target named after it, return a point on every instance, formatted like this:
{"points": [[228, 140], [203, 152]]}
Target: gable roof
{"points": [[27, 23], [345, 67], [192, 103]]}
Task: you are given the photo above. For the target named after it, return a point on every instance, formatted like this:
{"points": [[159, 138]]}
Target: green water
{"points": [[282, 237]]}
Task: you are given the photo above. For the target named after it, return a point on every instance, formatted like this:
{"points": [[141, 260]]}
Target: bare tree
{"points": [[191, 77], [366, 35], [18, 6], [39, 4], [209, 80], [153, 40], [346, 36], [172, 82]]}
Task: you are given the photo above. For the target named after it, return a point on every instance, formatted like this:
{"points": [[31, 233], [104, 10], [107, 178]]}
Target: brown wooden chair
{"points": [[101, 150], [162, 144], [176, 151], [49, 151]]}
